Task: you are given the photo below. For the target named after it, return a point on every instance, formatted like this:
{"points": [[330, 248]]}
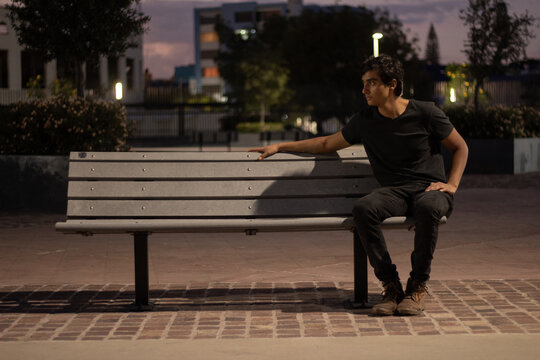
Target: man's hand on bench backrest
{"points": [[265, 151]]}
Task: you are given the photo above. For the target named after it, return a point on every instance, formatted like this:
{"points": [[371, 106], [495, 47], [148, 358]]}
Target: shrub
{"points": [[58, 125], [255, 127], [495, 122]]}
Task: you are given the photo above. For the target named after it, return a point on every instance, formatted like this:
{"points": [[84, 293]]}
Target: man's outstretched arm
{"points": [[318, 145]]}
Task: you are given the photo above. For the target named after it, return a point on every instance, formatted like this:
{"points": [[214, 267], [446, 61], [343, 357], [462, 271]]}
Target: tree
{"points": [[234, 50], [251, 65], [75, 31], [432, 47], [265, 85], [495, 38], [322, 50], [325, 49], [397, 44]]}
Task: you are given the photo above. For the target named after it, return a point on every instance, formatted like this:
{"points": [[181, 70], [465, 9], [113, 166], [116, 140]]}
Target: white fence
{"points": [[9, 96]]}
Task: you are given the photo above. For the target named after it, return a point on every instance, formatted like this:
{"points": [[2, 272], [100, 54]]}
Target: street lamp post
{"points": [[376, 36]]}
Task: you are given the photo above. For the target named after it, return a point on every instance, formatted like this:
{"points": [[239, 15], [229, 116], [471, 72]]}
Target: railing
{"points": [[195, 124], [9, 96], [161, 95], [176, 120], [500, 92]]}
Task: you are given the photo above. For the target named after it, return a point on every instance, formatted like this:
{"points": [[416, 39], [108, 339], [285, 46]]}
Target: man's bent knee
{"points": [[432, 206], [365, 210]]}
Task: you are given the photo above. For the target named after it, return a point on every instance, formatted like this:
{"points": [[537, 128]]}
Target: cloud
{"points": [[162, 57], [428, 11], [170, 20]]}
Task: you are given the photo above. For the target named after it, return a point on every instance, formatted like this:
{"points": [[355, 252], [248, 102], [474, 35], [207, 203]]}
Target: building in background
{"points": [[18, 66], [240, 17], [184, 77]]}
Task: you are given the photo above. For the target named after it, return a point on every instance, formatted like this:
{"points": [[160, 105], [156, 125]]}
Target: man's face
{"points": [[375, 91]]}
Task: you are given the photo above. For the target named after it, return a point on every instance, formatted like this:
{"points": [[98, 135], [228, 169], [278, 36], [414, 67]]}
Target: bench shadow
{"points": [[291, 300], [315, 203]]}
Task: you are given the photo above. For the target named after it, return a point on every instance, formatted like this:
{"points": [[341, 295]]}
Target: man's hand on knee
{"points": [[440, 186]]}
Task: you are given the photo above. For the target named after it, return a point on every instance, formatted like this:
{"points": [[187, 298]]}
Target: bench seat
{"points": [[120, 226]]}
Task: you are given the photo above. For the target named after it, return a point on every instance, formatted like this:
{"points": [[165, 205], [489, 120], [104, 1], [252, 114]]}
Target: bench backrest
{"points": [[151, 185]]}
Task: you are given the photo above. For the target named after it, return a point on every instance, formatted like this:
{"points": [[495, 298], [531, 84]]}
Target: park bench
{"points": [[141, 193]]}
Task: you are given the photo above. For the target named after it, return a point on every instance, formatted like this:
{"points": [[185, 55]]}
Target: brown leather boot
{"points": [[415, 295], [392, 295]]}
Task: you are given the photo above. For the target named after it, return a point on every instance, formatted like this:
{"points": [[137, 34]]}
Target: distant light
{"points": [[453, 95], [118, 91], [244, 33], [376, 37]]}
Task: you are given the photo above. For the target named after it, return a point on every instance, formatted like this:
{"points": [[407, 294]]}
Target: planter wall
{"points": [[526, 155], [501, 156], [33, 183]]}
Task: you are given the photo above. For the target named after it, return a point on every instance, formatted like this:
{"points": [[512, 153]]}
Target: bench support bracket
{"points": [[142, 302], [360, 300]]}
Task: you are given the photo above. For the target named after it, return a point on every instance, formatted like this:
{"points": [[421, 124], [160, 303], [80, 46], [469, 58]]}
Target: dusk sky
{"points": [[169, 41]]}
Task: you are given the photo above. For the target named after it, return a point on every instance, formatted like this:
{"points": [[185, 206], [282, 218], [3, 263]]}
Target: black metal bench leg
{"points": [[360, 276], [142, 302]]}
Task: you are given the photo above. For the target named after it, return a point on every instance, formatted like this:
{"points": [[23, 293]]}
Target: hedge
{"points": [[60, 124], [495, 122], [255, 127]]}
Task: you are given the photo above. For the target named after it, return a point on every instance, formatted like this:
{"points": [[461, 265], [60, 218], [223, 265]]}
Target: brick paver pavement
{"points": [[259, 310]]}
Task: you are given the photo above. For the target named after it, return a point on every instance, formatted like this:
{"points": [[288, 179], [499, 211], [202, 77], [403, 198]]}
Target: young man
{"points": [[402, 139]]}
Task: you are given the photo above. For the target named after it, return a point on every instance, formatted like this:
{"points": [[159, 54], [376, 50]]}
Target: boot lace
{"points": [[417, 291], [390, 292]]}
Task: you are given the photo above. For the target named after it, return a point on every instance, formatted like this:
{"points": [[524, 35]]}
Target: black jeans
{"points": [[426, 206]]}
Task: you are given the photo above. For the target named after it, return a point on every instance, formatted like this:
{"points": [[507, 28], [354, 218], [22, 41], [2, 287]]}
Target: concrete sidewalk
{"points": [[451, 347], [229, 296]]}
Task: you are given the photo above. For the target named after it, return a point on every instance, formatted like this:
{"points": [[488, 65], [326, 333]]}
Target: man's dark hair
{"points": [[388, 68]]}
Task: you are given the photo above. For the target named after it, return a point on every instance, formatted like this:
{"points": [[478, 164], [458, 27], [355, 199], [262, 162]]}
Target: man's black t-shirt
{"points": [[405, 149]]}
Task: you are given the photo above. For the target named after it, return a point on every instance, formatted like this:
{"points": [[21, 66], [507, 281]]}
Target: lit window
{"points": [[265, 15], [208, 19], [209, 37], [3, 28], [211, 72]]}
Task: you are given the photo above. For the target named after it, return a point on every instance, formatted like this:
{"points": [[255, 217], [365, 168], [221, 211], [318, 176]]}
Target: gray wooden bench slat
{"points": [[219, 189], [218, 170], [211, 208], [118, 226], [205, 156]]}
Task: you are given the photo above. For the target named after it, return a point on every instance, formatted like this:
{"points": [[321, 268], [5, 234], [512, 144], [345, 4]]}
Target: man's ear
{"points": [[392, 84]]}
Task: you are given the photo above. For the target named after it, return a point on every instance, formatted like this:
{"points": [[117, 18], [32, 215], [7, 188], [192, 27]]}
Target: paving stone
{"points": [[455, 307]]}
